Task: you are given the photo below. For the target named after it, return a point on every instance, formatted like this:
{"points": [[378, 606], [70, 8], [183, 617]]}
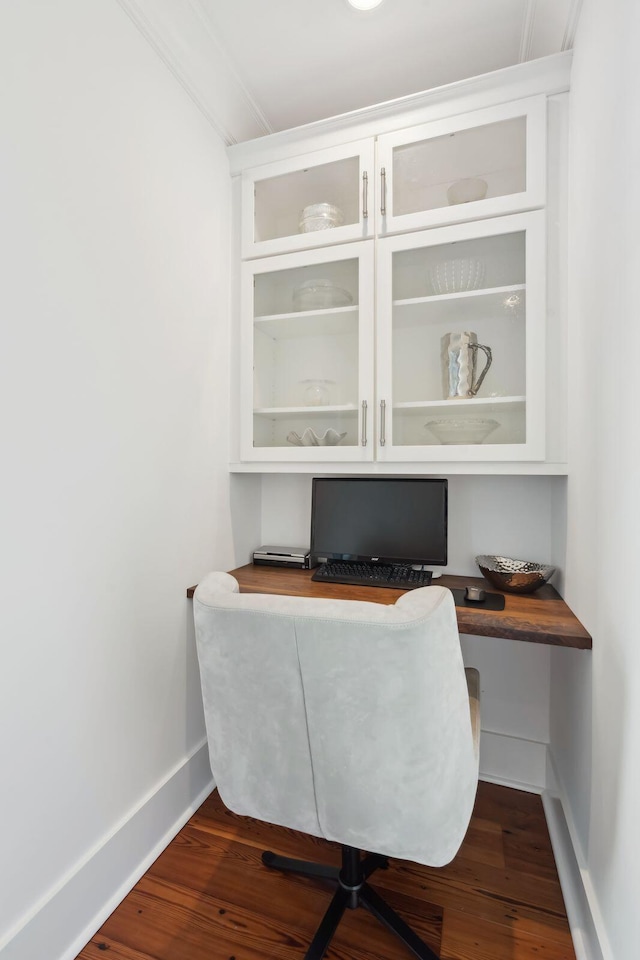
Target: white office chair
{"points": [[347, 720]]}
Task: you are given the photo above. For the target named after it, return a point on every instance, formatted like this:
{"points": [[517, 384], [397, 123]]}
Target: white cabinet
{"points": [[307, 356], [481, 164], [366, 342], [472, 166], [450, 301], [278, 200], [453, 303]]}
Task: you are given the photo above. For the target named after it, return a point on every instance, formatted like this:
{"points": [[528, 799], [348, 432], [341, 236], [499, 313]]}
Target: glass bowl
{"points": [[456, 276], [320, 216], [319, 295], [317, 392], [468, 430], [465, 191], [514, 576]]}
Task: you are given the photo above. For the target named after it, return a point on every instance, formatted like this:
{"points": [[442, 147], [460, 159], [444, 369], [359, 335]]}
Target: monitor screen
{"points": [[386, 519]]}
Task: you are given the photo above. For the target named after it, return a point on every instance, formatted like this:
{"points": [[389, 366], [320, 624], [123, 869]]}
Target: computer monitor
{"points": [[379, 519]]}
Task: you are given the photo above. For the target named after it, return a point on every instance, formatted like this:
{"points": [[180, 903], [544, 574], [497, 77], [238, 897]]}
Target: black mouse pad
{"points": [[492, 601]]}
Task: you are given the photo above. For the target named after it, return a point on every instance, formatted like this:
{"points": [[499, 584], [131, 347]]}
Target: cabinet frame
{"points": [[362, 230], [356, 453], [533, 109], [532, 224]]}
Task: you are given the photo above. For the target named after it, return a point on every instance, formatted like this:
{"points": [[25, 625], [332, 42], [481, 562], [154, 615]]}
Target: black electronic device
{"points": [[379, 520], [477, 594], [394, 575]]}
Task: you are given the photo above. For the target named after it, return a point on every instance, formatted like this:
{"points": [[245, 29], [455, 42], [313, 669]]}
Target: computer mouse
{"points": [[474, 593]]}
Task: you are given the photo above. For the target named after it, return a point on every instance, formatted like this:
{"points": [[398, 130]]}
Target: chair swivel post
{"points": [[352, 891]]}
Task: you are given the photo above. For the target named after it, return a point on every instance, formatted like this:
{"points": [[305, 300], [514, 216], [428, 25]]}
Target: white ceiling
{"points": [[304, 60]]}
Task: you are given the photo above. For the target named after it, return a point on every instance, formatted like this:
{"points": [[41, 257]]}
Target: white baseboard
{"points": [[589, 937], [66, 918], [513, 762]]}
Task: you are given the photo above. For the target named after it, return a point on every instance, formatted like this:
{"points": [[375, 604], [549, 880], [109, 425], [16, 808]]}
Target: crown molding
{"points": [[548, 26], [185, 40], [528, 27], [572, 24]]}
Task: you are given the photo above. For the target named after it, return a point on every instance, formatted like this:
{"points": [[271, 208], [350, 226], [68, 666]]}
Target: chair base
{"points": [[352, 891]]}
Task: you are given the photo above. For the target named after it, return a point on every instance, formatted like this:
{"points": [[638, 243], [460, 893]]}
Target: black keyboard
{"points": [[372, 574]]}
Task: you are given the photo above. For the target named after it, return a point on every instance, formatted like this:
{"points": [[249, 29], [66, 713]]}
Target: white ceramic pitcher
{"points": [[459, 361]]}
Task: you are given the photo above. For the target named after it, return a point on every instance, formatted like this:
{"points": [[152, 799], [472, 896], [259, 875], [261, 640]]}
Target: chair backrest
{"points": [[348, 720]]}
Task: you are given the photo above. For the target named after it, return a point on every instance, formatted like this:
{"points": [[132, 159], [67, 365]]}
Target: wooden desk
{"points": [[541, 617]]}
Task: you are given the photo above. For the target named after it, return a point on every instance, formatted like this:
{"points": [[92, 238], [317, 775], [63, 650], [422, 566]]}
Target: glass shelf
{"points": [[498, 303], [308, 323], [317, 413], [476, 404]]}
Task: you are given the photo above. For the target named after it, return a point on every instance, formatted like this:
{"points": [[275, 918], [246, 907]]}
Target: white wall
{"points": [[113, 302], [503, 515], [595, 715]]}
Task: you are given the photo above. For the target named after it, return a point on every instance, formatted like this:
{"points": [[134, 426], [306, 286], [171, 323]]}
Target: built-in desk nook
{"points": [[541, 617]]}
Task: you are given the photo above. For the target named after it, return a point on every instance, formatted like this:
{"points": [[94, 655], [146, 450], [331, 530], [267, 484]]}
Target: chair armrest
{"points": [[473, 686], [214, 585]]}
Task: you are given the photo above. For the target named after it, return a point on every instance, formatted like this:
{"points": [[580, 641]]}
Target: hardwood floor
{"points": [[208, 896]]}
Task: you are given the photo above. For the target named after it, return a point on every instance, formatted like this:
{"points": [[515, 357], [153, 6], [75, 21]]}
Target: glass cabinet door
{"points": [[461, 342], [482, 164], [321, 198], [307, 360]]}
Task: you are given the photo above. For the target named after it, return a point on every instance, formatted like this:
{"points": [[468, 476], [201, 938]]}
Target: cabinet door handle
{"points": [[365, 191], [364, 423], [383, 411], [383, 192]]}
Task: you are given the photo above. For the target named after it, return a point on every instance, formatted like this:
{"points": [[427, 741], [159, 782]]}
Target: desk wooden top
{"points": [[540, 617]]}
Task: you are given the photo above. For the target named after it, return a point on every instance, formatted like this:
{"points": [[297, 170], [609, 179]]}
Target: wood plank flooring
{"points": [[208, 896]]}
